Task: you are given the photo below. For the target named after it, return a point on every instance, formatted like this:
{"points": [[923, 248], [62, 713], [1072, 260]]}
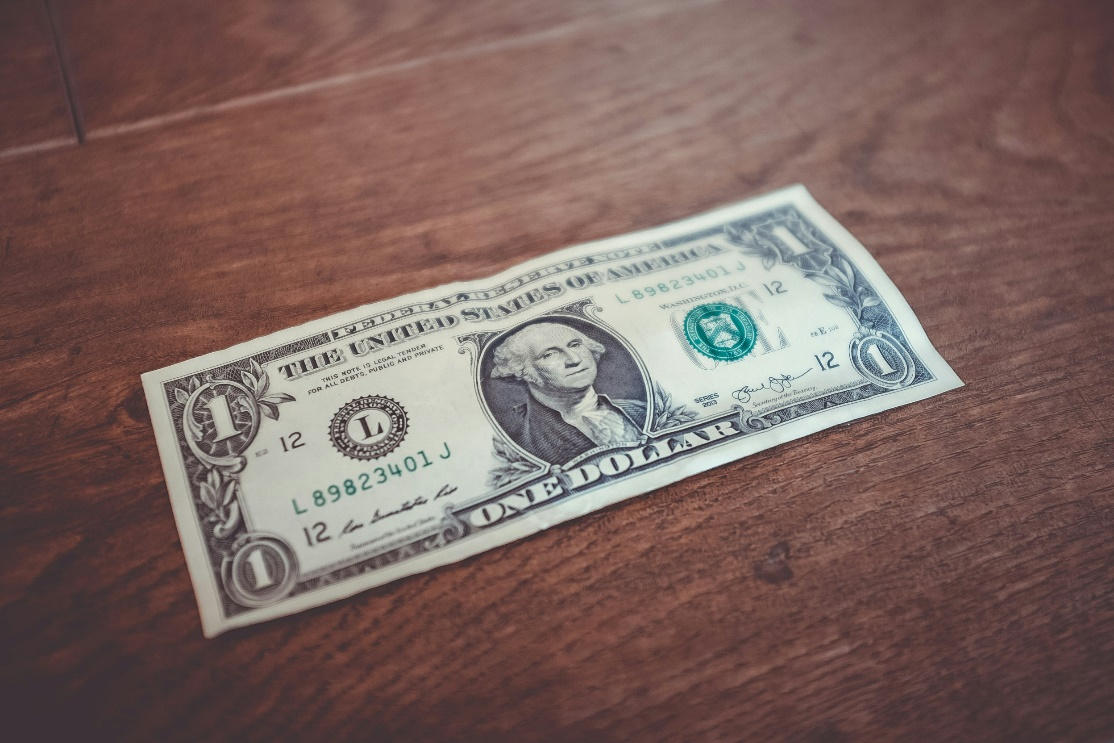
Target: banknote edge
{"points": [[911, 325], [181, 505]]}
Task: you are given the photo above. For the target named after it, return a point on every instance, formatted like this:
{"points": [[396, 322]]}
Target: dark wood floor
{"points": [[180, 176]]}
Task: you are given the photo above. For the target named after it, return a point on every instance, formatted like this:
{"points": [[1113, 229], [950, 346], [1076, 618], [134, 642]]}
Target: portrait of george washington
{"points": [[558, 392]]}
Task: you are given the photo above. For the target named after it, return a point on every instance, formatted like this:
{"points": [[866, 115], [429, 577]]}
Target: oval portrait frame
{"points": [[636, 377]]}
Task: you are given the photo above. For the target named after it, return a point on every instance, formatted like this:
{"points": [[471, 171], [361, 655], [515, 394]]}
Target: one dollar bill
{"points": [[314, 463]]}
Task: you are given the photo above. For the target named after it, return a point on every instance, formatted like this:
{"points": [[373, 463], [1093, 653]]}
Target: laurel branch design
{"points": [[217, 478], [822, 264], [511, 465], [666, 414]]}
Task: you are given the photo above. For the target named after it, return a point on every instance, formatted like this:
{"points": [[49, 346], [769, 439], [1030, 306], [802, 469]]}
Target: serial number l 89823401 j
{"points": [[398, 468]]}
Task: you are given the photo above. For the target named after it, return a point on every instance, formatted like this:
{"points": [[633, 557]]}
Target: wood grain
{"points": [[33, 108], [168, 56], [943, 571]]}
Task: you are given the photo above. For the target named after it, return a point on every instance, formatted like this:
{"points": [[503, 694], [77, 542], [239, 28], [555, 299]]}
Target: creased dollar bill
{"points": [[311, 464]]}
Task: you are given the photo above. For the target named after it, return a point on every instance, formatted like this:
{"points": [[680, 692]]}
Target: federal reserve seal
{"points": [[368, 427], [720, 331]]}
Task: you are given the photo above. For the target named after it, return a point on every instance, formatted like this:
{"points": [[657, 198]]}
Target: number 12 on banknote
{"points": [[311, 464]]}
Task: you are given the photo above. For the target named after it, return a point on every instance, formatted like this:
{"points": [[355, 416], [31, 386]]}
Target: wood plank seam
{"points": [[64, 71], [348, 78]]}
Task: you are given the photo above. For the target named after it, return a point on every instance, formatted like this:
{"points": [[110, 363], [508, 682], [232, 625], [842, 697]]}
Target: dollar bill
{"points": [[314, 463]]}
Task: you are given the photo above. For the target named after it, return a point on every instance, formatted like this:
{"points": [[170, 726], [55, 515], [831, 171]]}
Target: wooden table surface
{"points": [[180, 176]]}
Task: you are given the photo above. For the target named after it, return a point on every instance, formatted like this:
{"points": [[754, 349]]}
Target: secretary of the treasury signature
{"points": [[778, 384]]}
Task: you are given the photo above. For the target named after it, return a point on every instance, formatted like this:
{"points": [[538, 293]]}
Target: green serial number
{"points": [[400, 467], [664, 287]]}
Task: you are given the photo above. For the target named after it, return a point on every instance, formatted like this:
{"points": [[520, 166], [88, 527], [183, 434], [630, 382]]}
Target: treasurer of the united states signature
{"points": [[408, 505], [776, 383]]}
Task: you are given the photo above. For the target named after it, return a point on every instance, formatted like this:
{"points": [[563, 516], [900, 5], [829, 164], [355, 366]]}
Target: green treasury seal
{"points": [[720, 331]]}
